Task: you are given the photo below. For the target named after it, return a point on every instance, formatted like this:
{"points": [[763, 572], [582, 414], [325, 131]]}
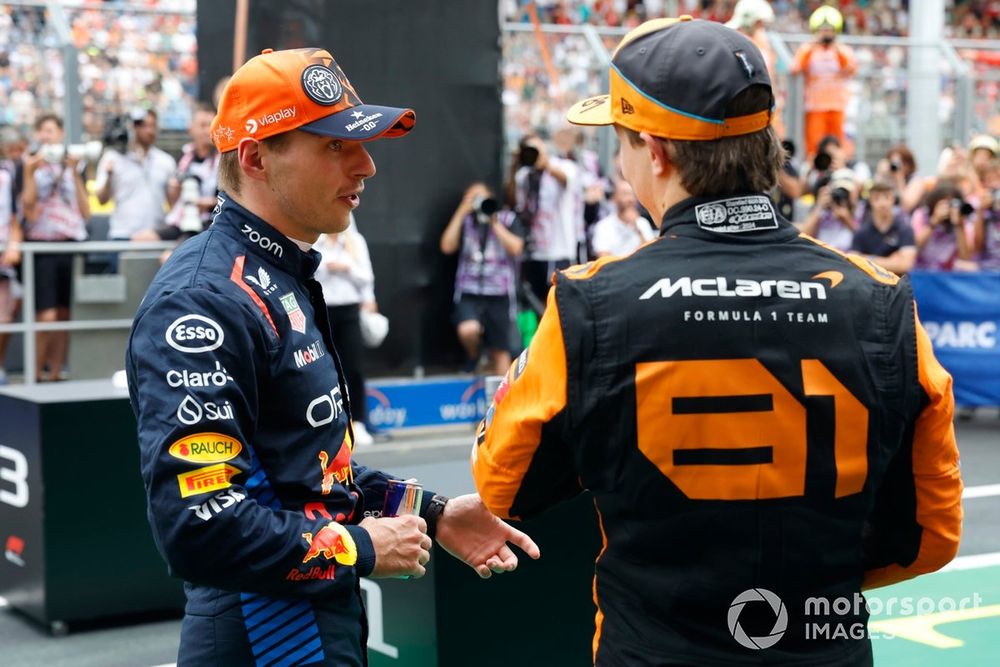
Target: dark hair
{"points": [[744, 163], [45, 118], [905, 156], [230, 175], [943, 190]]}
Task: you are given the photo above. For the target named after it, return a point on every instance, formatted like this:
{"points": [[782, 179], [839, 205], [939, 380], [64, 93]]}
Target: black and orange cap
{"points": [[674, 78]]}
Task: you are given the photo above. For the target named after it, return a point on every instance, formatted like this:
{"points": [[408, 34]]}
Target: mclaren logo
{"points": [[742, 287]]}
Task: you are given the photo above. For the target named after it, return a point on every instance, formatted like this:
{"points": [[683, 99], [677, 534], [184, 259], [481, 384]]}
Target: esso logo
{"points": [[194, 334]]}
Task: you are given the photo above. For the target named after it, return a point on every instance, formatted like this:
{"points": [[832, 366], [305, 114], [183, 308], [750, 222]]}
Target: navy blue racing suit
{"points": [[246, 449]]}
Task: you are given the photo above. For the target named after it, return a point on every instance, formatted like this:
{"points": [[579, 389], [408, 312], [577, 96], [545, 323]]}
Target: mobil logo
{"points": [[470, 407], [381, 412]]}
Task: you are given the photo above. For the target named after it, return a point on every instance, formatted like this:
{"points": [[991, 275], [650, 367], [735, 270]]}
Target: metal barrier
{"points": [[30, 326]]}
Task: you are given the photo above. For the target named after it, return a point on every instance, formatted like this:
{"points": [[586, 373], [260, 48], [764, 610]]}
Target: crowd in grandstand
{"points": [[126, 59]]}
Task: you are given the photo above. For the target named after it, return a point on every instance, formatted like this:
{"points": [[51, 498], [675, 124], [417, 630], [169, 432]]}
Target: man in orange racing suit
{"points": [[760, 419]]}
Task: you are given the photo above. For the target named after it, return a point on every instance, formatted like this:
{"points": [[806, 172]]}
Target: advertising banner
{"points": [[961, 312]]}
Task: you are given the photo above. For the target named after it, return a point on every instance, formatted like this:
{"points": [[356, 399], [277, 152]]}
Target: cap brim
{"points": [[364, 123], [591, 111]]}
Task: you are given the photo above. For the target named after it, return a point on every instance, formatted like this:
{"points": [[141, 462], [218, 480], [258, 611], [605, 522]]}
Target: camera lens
{"points": [[528, 156]]}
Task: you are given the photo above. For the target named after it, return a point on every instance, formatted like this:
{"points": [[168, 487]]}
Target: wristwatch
{"points": [[434, 511]]}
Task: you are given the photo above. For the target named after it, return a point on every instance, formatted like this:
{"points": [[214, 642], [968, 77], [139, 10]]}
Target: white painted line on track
{"points": [[984, 491], [973, 562], [168, 664]]}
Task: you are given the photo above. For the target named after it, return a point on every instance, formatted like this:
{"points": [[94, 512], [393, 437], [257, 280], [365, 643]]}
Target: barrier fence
{"points": [[30, 325]]}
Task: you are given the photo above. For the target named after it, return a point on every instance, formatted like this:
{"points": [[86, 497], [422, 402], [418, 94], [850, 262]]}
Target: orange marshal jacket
{"points": [[750, 409]]}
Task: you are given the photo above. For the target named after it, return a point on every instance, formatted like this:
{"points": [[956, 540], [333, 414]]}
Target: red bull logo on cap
{"points": [[332, 542]]}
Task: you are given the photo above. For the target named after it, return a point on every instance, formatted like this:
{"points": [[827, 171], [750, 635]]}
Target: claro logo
{"points": [[194, 334], [740, 287]]}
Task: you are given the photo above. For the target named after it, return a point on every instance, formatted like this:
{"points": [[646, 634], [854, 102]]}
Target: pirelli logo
{"points": [[206, 480]]}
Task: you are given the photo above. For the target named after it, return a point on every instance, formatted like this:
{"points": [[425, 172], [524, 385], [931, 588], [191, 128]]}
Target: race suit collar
{"points": [[727, 217], [261, 238]]}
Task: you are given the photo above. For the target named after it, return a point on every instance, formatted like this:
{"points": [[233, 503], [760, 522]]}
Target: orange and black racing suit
{"points": [[752, 411]]}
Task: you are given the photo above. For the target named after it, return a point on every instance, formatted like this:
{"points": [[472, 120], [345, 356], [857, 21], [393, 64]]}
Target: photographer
{"points": [[827, 68], [194, 200], [942, 244], [900, 167], [489, 241], [55, 207], [624, 230], [549, 202], [884, 235], [832, 219], [987, 231], [135, 174]]}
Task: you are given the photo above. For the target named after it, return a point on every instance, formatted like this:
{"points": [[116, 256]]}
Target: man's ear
{"points": [[251, 159], [662, 166]]}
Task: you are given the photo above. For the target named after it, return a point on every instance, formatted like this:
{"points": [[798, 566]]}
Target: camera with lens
{"points": [[822, 161], [527, 156], [118, 133], [484, 208], [840, 197], [965, 209]]}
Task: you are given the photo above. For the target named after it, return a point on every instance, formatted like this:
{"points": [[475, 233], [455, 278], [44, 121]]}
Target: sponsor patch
{"points": [[190, 411], [206, 448], [262, 280], [522, 362], [339, 469], [316, 350], [321, 86], [738, 214], [295, 315], [315, 572], [185, 378], [193, 334], [217, 503], [206, 480], [332, 542]]}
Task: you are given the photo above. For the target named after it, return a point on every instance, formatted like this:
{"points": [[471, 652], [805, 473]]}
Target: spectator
{"points": [[625, 229], [987, 232], [832, 219], [900, 166], [12, 160], [348, 281], [55, 207], [982, 150], [199, 163], [942, 244], [884, 233], [489, 240], [11, 235], [548, 202], [826, 67], [136, 180]]}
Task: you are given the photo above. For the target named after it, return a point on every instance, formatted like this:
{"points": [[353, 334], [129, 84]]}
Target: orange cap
{"points": [[299, 89]]}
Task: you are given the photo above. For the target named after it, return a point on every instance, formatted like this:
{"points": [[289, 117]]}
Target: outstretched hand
{"points": [[470, 533]]}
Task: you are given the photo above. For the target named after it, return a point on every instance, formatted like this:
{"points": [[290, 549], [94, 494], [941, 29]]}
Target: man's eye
{"points": [[336, 145]]}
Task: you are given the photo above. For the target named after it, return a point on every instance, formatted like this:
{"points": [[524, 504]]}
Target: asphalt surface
{"points": [[439, 459]]}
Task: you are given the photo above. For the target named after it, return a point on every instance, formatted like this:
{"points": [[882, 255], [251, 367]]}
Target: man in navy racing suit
{"points": [[243, 416]]}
